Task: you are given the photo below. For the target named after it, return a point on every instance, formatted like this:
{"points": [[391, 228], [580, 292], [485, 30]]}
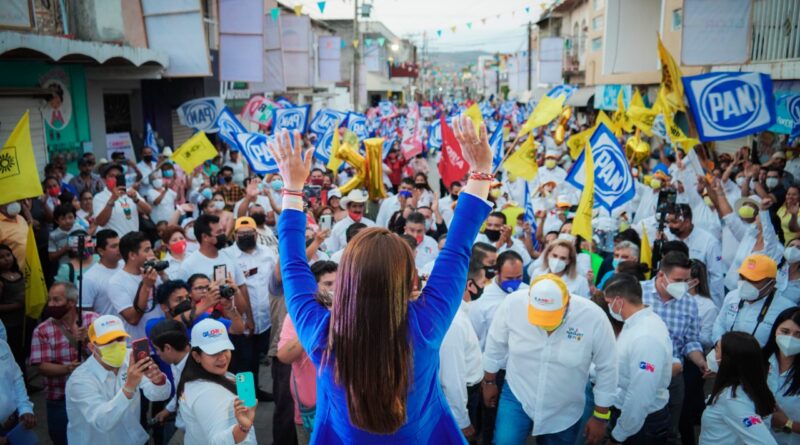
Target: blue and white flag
{"points": [[613, 182], [496, 144], [435, 135], [324, 119], [201, 114], [284, 102], [787, 121], [292, 119], [530, 216], [565, 90], [387, 146], [386, 108], [229, 126], [150, 139], [487, 110], [357, 123], [322, 151], [730, 105], [253, 147], [507, 109]]}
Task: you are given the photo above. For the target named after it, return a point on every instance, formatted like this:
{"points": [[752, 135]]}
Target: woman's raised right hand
{"points": [[288, 154]]}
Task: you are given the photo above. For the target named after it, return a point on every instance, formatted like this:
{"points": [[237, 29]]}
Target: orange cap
{"points": [[758, 267], [244, 222]]}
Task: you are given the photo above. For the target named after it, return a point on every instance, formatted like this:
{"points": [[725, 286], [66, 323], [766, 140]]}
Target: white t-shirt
{"points": [[261, 200], [163, 210], [95, 288], [124, 216], [124, 287], [199, 263]]}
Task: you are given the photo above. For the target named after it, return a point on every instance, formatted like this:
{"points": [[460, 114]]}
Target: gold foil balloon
{"points": [[641, 152], [558, 135], [347, 154], [374, 168], [561, 128]]}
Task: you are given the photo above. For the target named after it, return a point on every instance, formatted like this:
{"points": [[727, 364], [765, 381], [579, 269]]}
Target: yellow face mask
{"points": [[495, 193], [113, 354], [708, 201], [550, 163], [655, 183], [747, 212]]}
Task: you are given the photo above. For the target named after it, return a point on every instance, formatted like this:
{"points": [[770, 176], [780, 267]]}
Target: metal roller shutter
{"points": [[180, 132], [11, 110]]}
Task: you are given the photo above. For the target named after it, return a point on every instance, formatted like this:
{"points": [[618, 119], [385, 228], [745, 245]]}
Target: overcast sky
{"points": [[506, 33]]}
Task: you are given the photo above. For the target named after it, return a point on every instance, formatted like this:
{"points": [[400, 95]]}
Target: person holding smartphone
{"points": [[207, 396], [118, 207]]}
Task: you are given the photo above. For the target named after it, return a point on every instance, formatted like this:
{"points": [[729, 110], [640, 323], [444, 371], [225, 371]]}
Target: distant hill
{"points": [[455, 61]]}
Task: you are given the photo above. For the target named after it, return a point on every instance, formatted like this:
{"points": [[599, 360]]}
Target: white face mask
{"points": [[219, 205], [747, 291], [157, 183], [615, 315], [676, 290], [13, 209], [557, 265], [792, 254], [740, 181], [772, 183], [711, 361], [190, 234], [788, 345]]}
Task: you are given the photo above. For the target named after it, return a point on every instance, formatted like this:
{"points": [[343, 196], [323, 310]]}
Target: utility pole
{"points": [[530, 54], [356, 59]]}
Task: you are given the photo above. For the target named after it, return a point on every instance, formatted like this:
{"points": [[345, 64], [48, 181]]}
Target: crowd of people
{"points": [[433, 315]]}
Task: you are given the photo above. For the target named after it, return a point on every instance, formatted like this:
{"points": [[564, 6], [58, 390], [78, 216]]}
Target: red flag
{"points": [[411, 141], [452, 167]]}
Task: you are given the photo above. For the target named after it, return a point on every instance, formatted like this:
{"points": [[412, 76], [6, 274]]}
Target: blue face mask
{"points": [[168, 173], [510, 285], [276, 184], [207, 193], [615, 262]]}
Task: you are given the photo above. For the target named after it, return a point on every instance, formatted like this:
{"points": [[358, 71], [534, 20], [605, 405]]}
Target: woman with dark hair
{"points": [[782, 353], [740, 397], [206, 394], [12, 302], [377, 350]]}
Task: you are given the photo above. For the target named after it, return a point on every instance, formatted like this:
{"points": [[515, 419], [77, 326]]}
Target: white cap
{"points": [[105, 329], [211, 336], [167, 151], [334, 193]]}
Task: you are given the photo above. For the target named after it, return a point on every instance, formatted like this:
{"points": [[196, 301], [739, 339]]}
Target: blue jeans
{"points": [[57, 421], [514, 426]]}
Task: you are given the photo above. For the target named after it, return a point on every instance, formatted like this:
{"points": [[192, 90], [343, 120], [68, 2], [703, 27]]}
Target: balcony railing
{"points": [[776, 30]]}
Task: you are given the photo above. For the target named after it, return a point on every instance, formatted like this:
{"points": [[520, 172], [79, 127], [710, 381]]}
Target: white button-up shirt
{"points": [[172, 405], [338, 238], [14, 397], [778, 383], [733, 421], [259, 270], [645, 370], [548, 373], [99, 412], [460, 364], [207, 411], [743, 317], [481, 311], [388, 207], [706, 248], [747, 236], [427, 251]]}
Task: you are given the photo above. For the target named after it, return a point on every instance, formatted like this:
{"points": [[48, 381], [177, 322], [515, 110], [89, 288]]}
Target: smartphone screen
{"points": [[246, 388], [325, 222], [141, 349], [220, 272]]}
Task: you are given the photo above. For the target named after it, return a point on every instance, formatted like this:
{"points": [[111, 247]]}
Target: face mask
{"points": [[57, 312], [13, 209], [493, 235], [615, 315], [550, 163], [354, 216], [148, 158], [259, 218], [219, 205], [475, 295], [182, 307], [419, 239], [557, 265], [276, 185], [428, 225], [509, 286], [676, 290], [747, 212], [708, 201], [788, 344], [772, 183], [246, 242], [168, 173], [114, 354], [53, 191], [616, 262], [495, 193], [178, 247], [490, 272], [655, 183], [711, 361], [228, 179], [157, 183], [792, 254], [207, 193], [740, 181], [190, 234], [747, 291], [222, 241]]}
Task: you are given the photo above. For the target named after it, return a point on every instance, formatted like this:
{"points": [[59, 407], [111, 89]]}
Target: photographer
{"points": [[133, 286], [118, 207]]}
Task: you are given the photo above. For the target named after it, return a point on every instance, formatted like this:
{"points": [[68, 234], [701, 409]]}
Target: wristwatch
{"points": [[787, 427]]}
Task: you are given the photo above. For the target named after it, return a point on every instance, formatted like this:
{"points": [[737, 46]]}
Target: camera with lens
{"points": [[667, 197], [157, 265], [226, 291]]}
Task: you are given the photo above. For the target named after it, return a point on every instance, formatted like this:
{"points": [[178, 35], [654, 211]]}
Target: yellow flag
{"points": [[35, 287], [670, 79], [582, 224], [334, 162], [546, 110], [523, 162], [19, 177], [194, 152], [641, 116], [477, 118], [676, 135], [620, 117], [646, 253]]}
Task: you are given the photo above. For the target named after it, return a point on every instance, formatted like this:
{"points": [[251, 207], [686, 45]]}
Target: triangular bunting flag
{"points": [[321, 6], [453, 28], [439, 32], [469, 25], [355, 43], [298, 10], [274, 12]]}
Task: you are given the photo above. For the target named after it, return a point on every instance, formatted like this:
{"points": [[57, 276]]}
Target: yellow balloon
{"points": [[374, 168]]}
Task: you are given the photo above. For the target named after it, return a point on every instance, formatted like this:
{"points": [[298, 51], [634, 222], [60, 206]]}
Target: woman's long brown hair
{"points": [[369, 341]]}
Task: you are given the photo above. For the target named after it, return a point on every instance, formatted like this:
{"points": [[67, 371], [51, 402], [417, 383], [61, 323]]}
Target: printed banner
{"points": [[292, 118], [201, 114], [386, 108], [730, 105], [229, 126], [787, 107], [411, 144], [325, 119], [254, 148], [565, 90], [435, 135], [605, 96], [613, 182], [357, 123]]}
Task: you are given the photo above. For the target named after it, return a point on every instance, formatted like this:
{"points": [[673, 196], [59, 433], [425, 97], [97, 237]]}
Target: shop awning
{"points": [[581, 97], [18, 45]]}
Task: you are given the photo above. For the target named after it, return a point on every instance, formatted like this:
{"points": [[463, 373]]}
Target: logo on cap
{"points": [[109, 322], [543, 300], [751, 420], [216, 332], [645, 366], [751, 264]]}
